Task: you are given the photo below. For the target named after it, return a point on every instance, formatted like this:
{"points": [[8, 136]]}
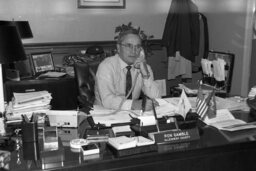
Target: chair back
{"points": [[85, 78]]}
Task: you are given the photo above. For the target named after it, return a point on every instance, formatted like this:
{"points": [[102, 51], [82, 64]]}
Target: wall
{"points": [[228, 29], [62, 21]]}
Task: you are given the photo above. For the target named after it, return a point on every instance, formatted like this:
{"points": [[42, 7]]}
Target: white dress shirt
{"points": [[111, 81]]}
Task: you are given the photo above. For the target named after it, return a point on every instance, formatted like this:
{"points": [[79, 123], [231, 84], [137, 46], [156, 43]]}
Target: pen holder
{"points": [[31, 151], [29, 132]]}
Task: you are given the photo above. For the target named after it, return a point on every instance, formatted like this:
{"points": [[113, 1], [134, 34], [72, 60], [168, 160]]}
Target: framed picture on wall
{"points": [[42, 62], [101, 3]]}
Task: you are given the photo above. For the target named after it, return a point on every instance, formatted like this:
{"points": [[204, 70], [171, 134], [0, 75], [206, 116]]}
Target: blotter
{"points": [[175, 136]]}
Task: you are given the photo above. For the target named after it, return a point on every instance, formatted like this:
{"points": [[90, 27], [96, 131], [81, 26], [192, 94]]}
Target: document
{"points": [[22, 98], [221, 103], [52, 74], [109, 117], [224, 120]]}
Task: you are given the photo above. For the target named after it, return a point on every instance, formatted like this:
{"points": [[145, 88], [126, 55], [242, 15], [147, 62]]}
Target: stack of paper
{"points": [[27, 104], [192, 88], [221, 103], [109, 117], [224, 120], [52, 74]]}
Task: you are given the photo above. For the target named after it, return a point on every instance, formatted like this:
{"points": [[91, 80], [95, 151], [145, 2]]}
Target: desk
{"points": [[211, 152], [64, 90]]}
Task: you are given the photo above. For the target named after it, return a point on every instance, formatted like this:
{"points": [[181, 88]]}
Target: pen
{"points": [[176, 123], [154, 111], [143, 105]]}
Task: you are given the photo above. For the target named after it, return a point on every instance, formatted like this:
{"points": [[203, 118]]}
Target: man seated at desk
{"points": [[113, 74]]}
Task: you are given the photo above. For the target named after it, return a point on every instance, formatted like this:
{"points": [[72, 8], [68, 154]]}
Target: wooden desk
{"points": [[64, 90], [211, 152]]}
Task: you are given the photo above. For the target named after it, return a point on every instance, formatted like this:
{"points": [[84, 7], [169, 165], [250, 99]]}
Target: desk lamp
{"points": [[23, 28], [25, 32], [11, 49]]}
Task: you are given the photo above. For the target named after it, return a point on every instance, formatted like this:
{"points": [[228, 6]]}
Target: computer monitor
{"points": [[42, 62]]}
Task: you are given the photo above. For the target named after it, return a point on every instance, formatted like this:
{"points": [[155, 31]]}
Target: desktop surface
{"points": [[211, 152]]}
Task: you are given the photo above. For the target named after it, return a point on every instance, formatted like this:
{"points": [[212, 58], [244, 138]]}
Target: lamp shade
{"points": [[24, 29], [11, 48], [6, 23]]}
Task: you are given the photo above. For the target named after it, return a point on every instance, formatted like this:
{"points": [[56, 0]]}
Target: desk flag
{"points": [[184, 105], [206, 106], [211, 113], [201, 105]]}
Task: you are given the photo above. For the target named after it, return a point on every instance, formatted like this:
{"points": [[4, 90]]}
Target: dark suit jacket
{"points": [[181, 32]]}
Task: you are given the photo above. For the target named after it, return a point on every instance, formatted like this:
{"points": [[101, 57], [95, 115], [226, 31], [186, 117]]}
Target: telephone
{"points": [[141, 64], [140, 59]]}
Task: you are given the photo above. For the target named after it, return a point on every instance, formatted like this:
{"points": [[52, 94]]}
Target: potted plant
{"points": [[144, 37]]}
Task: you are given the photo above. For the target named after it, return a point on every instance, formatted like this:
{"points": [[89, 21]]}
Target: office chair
{"points": [[85, 78], [84, 75]]}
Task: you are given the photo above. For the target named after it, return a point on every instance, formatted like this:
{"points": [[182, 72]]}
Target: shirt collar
{"points": [[123, 65]]}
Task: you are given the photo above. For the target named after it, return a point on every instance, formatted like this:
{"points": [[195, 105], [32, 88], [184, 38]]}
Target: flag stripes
{"points": [[205, 105], [201, 106]]}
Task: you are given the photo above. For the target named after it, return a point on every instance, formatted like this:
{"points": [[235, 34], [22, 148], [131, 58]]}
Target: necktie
{"points": [[128, 82]]}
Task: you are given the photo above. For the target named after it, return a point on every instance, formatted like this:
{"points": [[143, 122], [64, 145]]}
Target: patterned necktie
{"points": [[128, 82]]}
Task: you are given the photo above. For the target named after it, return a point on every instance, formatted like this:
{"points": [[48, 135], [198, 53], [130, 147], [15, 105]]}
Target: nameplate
{"points": [[175, 136]]}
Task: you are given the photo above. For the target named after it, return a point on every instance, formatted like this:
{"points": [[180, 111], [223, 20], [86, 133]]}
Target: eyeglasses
{"points": [[131, 47]]}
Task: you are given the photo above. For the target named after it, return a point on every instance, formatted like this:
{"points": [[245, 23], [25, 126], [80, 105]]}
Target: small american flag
{"points": [[211, 102], [201, 104]]}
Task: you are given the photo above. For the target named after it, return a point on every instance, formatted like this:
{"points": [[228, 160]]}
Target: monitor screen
{"points": [[42, 62]]}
